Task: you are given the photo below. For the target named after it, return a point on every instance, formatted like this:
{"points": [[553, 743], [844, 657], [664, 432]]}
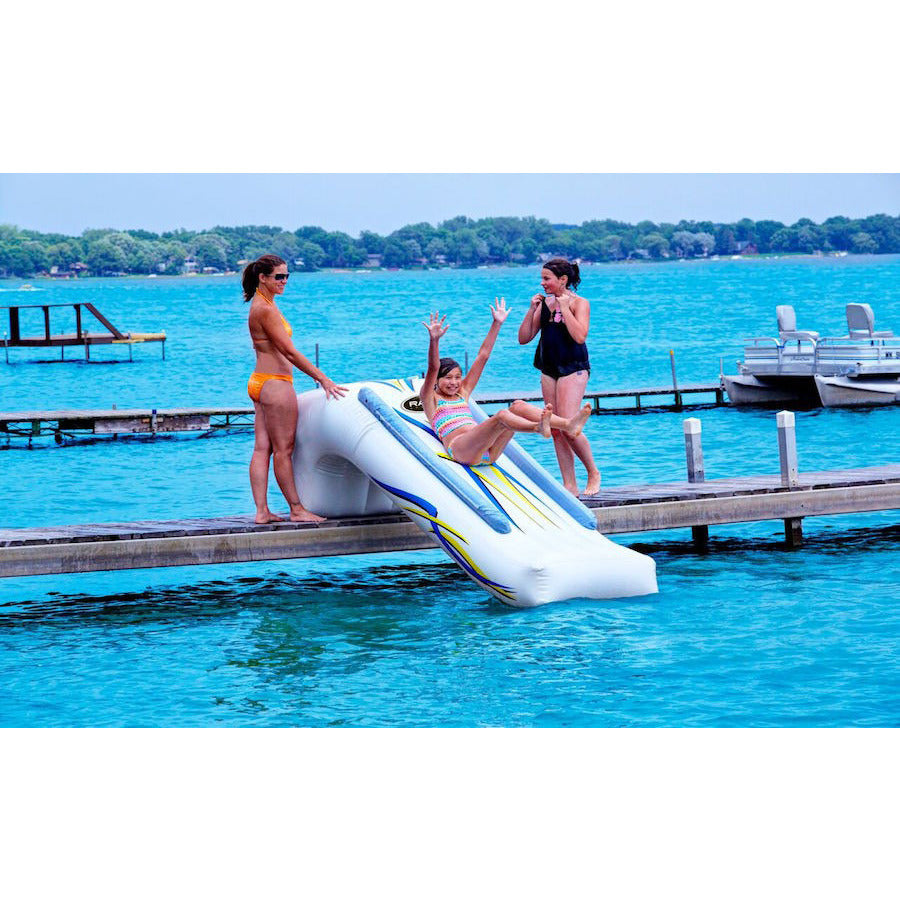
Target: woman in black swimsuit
{"points": [[563, 319]]}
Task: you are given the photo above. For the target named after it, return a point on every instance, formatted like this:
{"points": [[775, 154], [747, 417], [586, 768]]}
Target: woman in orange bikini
{"points": [[271, 388], [445, 399]]}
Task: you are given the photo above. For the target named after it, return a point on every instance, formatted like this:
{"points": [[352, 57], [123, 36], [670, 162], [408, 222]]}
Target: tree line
{"points": [[460, 242]]}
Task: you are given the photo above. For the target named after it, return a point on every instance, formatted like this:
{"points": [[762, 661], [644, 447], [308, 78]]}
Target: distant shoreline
{"points": [[460, 242], [749, 257]]}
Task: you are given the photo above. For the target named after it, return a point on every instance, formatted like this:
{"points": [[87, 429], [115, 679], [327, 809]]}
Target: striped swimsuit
{"points": [[450, 415]]}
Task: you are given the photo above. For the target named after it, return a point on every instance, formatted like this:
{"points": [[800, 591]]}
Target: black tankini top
{"points": [[558, 353]]}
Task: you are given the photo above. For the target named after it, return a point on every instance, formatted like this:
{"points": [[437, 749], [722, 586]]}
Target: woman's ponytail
{"points": [[265, 265]]}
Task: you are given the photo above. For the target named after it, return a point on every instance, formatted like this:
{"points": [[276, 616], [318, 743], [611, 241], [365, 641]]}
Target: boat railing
{"points": [[874, 354], [778, 351]]}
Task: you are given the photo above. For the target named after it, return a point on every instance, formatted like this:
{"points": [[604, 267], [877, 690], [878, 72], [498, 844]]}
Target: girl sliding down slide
{"points": [[445, 394]]}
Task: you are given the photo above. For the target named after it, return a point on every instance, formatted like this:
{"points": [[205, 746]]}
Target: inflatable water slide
{"points": [[509, 525]]}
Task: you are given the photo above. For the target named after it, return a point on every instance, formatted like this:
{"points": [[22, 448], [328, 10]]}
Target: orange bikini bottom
{"points": [[258, 379]]}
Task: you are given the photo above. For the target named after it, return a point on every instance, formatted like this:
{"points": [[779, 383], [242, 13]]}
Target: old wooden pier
{"points": [[80, 337]]}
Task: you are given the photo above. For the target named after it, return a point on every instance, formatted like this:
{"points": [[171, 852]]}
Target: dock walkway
{"points": [[71, 423], [619, 510], [63, 423]]}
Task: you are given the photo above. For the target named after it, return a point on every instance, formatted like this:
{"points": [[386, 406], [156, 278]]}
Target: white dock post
{"points": [[694, 451], [787, 454]]}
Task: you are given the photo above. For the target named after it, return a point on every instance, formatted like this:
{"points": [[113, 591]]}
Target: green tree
{"points": [[745, 230], [884, 230], [436, 247], [611, 247], [371, 242], [655, 244], [725, 242], [312, 254], [286, 245], [839, 230], [683, 243], [63, 254], [765, 229], [863, 243], [104, 256], [528, 248], [783, 240], [467, 248], [210, 251], [808, 239], [397, 254], [174, 253]]}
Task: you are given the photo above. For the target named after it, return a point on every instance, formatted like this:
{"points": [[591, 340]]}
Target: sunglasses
{"points": [[281, 276]]}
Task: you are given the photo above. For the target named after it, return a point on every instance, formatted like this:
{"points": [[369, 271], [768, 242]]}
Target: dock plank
{"points": [[623, 509]]}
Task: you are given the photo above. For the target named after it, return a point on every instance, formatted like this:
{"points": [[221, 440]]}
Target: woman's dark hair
{"points": [[559, 266], [265, 265], [447, 365]]}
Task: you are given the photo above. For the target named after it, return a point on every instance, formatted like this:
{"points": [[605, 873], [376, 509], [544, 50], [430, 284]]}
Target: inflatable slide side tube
{"points": [[463, 489], [580, 513]]}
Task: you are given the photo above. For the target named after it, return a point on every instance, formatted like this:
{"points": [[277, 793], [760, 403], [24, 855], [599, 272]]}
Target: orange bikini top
{"points": [[287, 326]]}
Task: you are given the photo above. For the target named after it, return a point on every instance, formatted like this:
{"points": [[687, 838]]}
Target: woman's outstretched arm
{"points": [[499, 312], [273, 327]]}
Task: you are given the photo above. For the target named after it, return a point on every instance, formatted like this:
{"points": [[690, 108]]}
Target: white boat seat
{"points": [[861, 322], [787, 326]]}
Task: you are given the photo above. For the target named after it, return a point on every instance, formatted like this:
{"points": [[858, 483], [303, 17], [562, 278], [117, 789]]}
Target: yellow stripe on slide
{"points": [[443, 525]]}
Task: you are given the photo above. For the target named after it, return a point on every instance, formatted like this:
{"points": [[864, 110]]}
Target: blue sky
{"points": [[69, 203]]}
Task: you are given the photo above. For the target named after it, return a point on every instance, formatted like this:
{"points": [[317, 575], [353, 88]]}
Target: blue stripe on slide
{"points": [[445, 474], [541, 477], [430, 508]]}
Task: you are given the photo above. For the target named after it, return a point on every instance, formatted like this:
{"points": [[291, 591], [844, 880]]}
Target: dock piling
{"points": [[678, 403], [694, 451], [787, 454]]}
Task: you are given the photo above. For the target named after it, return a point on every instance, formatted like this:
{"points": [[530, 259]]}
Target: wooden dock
{"points": [[80, 337], [66, 424], [72, 423], [714, 391], [620, 510]]}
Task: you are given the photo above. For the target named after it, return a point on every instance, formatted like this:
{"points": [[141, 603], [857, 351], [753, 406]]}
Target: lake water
{"points": [[747, 634]]}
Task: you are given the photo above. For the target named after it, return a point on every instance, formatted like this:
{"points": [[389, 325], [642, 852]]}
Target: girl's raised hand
{"points": [[435, 326], [499, 310]]}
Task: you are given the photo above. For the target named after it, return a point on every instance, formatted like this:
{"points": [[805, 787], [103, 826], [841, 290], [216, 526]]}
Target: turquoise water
{"points": [[748, 634]]}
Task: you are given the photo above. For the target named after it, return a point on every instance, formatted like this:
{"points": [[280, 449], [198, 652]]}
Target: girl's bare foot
{"points": [[571, 488], [593, 485], [576, 423], [544, 424], [263, 518], [301, 514]]}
